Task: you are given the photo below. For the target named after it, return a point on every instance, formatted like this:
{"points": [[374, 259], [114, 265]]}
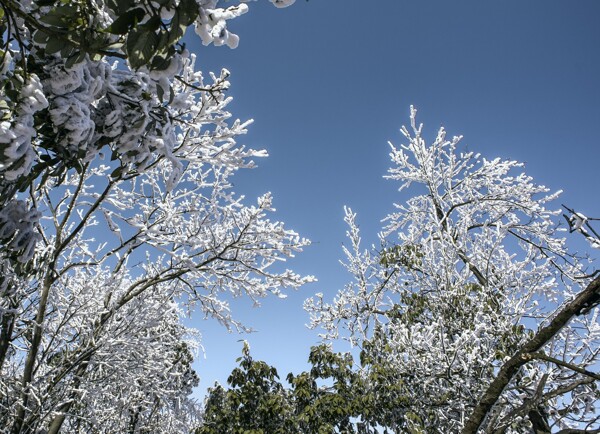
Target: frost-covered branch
{"points": [[117, 214], [468, 273], [580, 223], [528, 352]]}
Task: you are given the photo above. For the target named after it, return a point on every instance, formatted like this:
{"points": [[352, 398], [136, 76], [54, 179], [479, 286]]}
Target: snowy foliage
{"points": [[581, 224], [117, 215], [466, 272], [17, 131]]}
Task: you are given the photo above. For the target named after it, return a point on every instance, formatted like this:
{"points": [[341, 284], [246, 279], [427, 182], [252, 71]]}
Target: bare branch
{"points": [[510, 368]]}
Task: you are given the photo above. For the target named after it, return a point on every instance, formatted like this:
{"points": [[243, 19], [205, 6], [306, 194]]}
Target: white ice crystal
{"points": [[466, 270], [282, 3], [105, 314], [17, 133], [211, 25], [17, 229]]}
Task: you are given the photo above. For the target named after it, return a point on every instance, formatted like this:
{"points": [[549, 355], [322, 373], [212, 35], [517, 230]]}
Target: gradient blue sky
{"points": [[329, 82]]}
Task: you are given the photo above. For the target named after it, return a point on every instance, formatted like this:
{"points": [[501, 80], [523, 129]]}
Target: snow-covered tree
{"points": [[117, 214], [472, 305]]}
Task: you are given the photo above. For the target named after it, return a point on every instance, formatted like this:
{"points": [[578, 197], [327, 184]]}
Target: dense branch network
{"points": [[472, 303], [117, 216]]}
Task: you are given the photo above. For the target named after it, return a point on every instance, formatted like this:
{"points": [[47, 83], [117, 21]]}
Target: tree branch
{"points": [[542, 356], [525, 355], [578, 431]]}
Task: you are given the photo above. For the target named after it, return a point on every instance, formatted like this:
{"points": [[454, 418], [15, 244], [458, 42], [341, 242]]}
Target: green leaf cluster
{"points": [[138, 32], [334, 396]]}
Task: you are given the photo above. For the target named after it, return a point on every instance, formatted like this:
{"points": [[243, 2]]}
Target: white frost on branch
{"points": [[282, 3], [211, 25], [466, 270], [18, 229], [16, 133], [118, 220]]}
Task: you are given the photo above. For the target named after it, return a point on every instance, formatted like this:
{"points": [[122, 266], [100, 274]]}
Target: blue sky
{"points": [[329, 82]]}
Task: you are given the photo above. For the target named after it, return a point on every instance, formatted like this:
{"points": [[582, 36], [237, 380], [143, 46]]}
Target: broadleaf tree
{"points": [[470, 316], [471, 303], [117, 212], [328, 398]]}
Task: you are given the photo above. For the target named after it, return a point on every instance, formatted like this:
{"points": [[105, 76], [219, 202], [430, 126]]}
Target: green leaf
{"points": [[75, 58], [188, 10], [114, 46], [61, 16], [160, 93], [141, 47], [54, 45], [163, 40], [160, 63], [171, 94], [40, 37], [66, 50], [54, 19], [152, 24], [117, 172], [177, 28], [120, 6], [139, 123], [24, 185], [126, 21]]}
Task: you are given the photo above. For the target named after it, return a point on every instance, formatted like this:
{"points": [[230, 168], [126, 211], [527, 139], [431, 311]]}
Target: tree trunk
{"points": [[583, 302], [32, 356]]}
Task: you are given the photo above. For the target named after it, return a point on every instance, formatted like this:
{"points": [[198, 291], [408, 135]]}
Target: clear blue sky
{"points": [[329, 82]]}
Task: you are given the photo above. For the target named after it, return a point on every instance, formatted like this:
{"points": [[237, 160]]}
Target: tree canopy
{"points": [[472, 302], [117, 215], [470, 316], [118, 220]]}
